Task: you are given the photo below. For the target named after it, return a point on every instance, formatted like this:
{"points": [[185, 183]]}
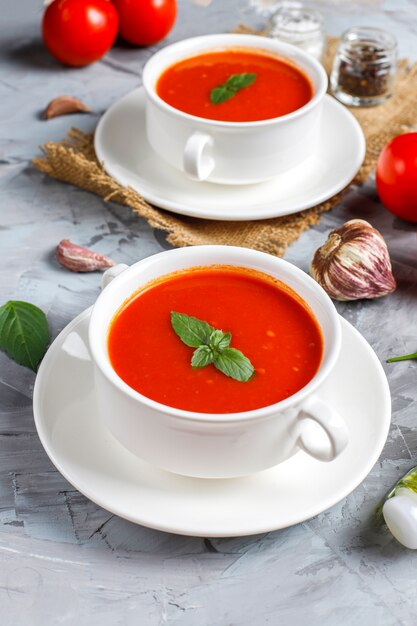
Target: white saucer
{"points": [[90, 458], [120, 143]]}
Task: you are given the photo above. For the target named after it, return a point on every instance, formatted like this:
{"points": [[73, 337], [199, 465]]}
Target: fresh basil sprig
{"points": [[405, 357], [233, 84], [212, 346], [24, 333]]}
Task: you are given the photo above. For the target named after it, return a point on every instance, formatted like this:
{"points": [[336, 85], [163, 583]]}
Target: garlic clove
{"points": [[79, 259], [63, 105], [354, 263]]}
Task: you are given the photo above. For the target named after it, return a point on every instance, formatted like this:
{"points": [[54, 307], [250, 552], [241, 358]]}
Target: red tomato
{"points": [[396, 176], [78, 32], [144, 22]]}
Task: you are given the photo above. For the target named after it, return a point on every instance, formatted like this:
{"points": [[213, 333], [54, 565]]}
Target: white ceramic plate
{"points": [[90, 458], [120, 143]]}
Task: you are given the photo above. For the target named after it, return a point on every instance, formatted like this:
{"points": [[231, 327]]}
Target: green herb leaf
{"points": [[212, 347], [234, 364], [221, 94], [220, 340], [192, 331], [24, 333], [202, 356], [233, 84], [405, 357], [239, 81]]}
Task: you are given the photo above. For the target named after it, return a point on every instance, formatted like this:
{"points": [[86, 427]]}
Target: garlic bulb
{"points": [[354, 263]]}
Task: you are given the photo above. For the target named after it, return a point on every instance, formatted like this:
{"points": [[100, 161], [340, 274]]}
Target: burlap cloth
{"points": [[74, 161]]}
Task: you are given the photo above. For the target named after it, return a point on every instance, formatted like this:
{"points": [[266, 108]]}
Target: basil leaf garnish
{"points": [[220, 340], [233, 84], [202, 356], [213, 346], [221, 94], [192, 331], [238, 81], [24, 333], [234, 364]]}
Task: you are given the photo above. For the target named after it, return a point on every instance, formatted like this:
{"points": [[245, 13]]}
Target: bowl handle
{"points": [[196, 164], [316, 412], [76, 343], [111, 273]]}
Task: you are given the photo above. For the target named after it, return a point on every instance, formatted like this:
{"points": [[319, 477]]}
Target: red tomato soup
{"points": [[279, 87], [269, 323]]}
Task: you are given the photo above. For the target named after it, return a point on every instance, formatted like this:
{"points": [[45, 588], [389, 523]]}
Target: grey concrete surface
{"points": [[64, 560]]}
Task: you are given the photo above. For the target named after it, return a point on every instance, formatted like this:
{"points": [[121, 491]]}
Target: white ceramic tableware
{"points": [[216, 445], [134, 164], [94, 462], [232, 152]]}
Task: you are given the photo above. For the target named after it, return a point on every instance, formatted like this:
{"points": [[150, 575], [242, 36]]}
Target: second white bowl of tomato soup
{"points": [[207, 360], [233, 108]]}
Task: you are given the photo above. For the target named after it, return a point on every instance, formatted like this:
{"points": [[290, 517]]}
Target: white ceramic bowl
{"points": [[215, 445], [232, 152]]}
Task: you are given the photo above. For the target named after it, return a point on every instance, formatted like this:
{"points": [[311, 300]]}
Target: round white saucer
{"points": [[120, 143], [90, 458]]}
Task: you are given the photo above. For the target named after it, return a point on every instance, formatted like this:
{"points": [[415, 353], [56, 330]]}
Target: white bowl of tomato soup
{"points": [[233, 108], [236, 393]]}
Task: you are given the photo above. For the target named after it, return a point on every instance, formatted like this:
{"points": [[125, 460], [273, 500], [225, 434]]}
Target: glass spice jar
{"points": [[300, 26], [364, 67]]}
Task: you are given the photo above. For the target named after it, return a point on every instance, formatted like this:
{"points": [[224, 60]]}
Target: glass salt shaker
{"points": [[300, 26], [364, 67]]}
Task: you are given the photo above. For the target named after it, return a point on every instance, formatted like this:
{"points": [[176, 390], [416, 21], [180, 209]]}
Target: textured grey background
{"points": [[63, 560]]}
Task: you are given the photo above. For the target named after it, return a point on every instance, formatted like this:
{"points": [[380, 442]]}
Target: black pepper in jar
{"points": [[364, 67]]}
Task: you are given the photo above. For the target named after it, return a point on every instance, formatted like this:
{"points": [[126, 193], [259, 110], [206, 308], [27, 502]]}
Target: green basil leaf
{"points": [[24, 333], [221, 94], [192, 331], [220, 340], [233, 84], [239, 81], [202, 356], [212, 347], [233, 363]]}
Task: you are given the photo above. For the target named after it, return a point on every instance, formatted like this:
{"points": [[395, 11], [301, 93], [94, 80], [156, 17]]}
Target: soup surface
{"points": [[269, 323], [279, 87]]}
